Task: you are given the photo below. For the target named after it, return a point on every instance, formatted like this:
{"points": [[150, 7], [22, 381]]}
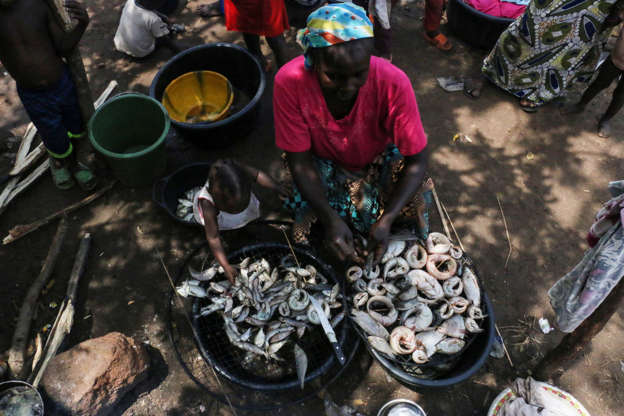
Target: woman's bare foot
{"points": [[473, 87], [604, 128]]}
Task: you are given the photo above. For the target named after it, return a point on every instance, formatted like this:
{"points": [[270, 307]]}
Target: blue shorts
{"points": [[55, 112]]}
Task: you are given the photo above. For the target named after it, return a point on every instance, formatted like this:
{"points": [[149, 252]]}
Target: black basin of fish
{"points": [[244, 73], [476, 28], [471, 360]]}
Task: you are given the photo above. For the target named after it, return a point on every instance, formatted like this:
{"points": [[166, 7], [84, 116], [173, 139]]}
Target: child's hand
{"points": [[231, 273], [77, 11]]}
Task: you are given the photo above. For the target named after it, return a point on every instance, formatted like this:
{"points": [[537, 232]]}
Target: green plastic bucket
{"points": [[129, 131]]}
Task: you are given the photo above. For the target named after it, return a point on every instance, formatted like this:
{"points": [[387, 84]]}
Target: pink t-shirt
{"points": [[384, 112]]}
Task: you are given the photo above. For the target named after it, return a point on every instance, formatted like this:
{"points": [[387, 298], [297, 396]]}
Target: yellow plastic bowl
{"points": [[198, 97]]}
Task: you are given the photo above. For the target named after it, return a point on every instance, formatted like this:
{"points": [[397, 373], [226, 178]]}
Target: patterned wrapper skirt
{"points": [[359, 198], [554, 44]]}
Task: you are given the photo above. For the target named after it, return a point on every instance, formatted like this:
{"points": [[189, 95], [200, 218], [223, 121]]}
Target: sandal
{"points": [[529, 106], [85, 177], [61, 176], [439, 41]]}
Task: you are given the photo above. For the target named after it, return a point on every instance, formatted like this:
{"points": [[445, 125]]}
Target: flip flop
{"points": [[439, 41], [529, 106], [61, 176], [85, 177]]}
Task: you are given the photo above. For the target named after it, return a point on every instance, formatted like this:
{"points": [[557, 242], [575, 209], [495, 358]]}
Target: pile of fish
{"points": [[185, 204], [268, 306], [419, 301]]}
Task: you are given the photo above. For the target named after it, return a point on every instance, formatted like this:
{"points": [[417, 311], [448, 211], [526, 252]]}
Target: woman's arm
{"points": [[407, 186], [209, 212], [309, 183]]}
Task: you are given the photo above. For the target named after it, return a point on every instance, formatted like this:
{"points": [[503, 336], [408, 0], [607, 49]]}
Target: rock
{"points": [[93, 376]]}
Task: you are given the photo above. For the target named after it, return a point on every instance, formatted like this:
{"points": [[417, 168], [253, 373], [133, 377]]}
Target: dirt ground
{"points": [[550, 173]]}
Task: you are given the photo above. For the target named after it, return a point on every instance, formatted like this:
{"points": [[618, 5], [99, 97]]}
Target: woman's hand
{"points": [[340, 239], [378, 238]]}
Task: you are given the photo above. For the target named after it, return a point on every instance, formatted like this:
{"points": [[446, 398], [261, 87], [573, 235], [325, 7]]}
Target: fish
{"points": [[369, 325], [438, 243], [191, 288], [450, 345], [301, 364], [454, 327], [380, 344], [418, 318], [426, 284], [416, 256], [471, 287], [428, 340], [395, 248]]}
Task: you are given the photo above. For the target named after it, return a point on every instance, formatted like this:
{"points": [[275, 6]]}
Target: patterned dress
{"points": [[552, 45]]}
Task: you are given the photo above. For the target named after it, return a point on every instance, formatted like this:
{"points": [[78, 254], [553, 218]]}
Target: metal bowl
{"points": [[401, 407], [20, 398]]}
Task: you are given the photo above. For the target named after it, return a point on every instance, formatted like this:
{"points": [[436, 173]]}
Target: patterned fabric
{"points": [[552, 45], [577, 295], [331, 25], [359, 199], [55, 113], [611, 213]]}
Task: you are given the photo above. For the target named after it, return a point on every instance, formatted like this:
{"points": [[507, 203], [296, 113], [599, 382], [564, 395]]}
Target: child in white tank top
{"points": [[226, 202]]}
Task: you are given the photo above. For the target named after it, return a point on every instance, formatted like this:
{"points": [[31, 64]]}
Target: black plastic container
{"points": [[472, 359], [167, 190], [243, 71], [476, 28]]}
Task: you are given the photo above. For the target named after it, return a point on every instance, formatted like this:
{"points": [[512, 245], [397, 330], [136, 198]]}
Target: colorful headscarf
{"points": [[331, 25]]}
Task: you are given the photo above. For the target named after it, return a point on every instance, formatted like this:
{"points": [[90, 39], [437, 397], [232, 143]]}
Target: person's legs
{"points": [[45, 113], [76, 131], [383, 40], [604, 126], [253, 45], [433, 16], [607, 73], [278, 46]]}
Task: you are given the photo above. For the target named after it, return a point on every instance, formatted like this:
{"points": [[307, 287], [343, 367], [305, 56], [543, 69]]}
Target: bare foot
{"points": [[604, 128], [572, 109], [473, 87]]}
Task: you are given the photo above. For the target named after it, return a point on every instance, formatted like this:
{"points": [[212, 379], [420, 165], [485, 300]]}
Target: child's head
{"points": [[229, 186]]}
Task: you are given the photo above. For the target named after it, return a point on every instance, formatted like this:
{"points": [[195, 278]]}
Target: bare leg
{"points": [[278, 46], [253, 46], [608, 72], [604, 127]]}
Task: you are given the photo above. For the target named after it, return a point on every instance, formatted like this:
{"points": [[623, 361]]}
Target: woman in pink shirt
{"points": [[350, 127]]}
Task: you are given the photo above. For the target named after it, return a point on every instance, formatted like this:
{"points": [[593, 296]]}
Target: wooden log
{"points": [[29, 160], [33, 176], [17, 353], [22, 152], [65, 317], [75, 64], [570, 347], [20, 231]]}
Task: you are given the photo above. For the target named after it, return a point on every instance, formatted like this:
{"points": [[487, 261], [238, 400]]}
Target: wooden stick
{"points": [[22, 152], [440, 213], [504, 346], [506, 231], [65, 318], [11, 184], [20, 231], [452, 227], [28, 161], [17, 352], [33, 176], [561, 357]]}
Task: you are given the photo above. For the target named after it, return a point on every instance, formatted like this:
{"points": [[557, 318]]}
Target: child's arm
{"points": [[263, 179], [65, 42], [211, 228]]}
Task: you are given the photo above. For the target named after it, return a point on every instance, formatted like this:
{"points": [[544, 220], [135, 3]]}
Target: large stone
{"points": [[93, 376]]}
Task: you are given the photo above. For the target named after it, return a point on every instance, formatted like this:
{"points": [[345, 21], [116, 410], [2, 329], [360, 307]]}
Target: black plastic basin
{"points": [[246, 76], [471, 361], [474, 27]]}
